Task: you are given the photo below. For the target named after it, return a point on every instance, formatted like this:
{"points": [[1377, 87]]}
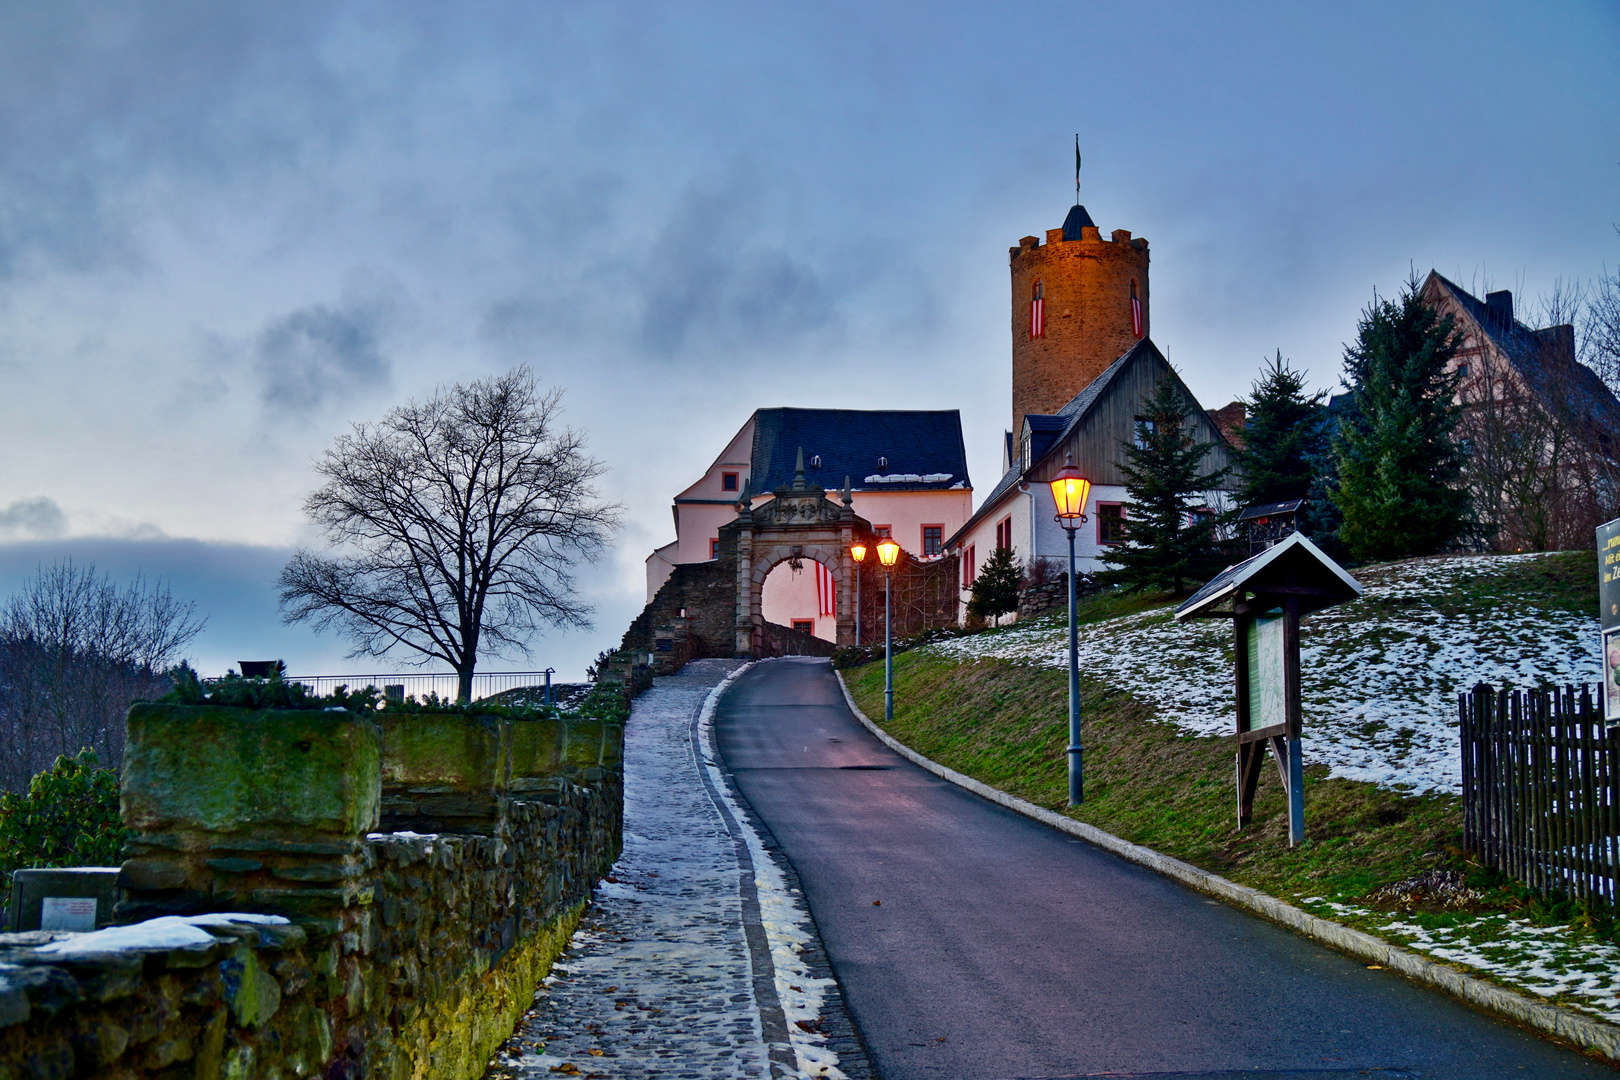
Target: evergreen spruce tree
{"points": [[1163, 481], [995, 589], [1282, 430], [1399, 463]]}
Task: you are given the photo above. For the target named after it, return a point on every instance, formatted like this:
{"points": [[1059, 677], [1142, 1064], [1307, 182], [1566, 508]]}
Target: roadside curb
{"points": [[1587, 1032]]}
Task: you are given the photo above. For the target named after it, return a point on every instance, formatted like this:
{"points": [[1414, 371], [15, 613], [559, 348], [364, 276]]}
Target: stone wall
{"points": [[1040, 597], [699, 597], [394, 954]]}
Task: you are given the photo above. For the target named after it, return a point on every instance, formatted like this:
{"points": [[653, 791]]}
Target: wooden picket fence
{"points": [[1541, 788]]}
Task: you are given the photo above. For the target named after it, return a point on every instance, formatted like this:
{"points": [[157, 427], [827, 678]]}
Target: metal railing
{"points": [[415, 684]]}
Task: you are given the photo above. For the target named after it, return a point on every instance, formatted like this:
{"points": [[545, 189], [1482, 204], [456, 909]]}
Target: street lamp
{"points": [[888, 555], [1069, 491], [857, 551]]}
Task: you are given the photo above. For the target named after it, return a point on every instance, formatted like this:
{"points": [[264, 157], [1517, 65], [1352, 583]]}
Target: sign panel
{"points": [[1268, 705], [67, 913], [1611, 674], [1608, 551]]}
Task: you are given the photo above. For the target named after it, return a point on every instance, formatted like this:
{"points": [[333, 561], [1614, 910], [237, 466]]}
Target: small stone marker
{"points": [[63, 899], [67, 913]]}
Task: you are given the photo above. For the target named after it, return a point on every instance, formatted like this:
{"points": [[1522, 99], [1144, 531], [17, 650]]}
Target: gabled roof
{"points": [[1072, 412], [923, 450], [1289, 564], [1546, 358]]}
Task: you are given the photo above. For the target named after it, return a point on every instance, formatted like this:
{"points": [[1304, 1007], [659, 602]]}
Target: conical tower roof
{"points": [[1078, 219]]}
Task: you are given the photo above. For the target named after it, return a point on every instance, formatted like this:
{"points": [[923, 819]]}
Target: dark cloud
{"points": [[321, 355], [38, 518], [722, 273]]}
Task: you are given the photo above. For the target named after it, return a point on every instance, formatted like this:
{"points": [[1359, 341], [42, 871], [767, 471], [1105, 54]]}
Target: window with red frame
{"points": [[714, 547], [933, 540], [969, 566], [728, 481], [806, 625], [1004, 533], [1037, 311], [1110, 523]]}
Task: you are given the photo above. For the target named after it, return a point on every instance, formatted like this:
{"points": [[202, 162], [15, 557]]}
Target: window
{"points": [[1136, 310], [969, 566], [1110, 523], [1024, 455], [728, 481], [1037, 311], [1200, 513], [714, 547], [1004, 533], [1462, 370], [1144, 431], [805, 626], [933, 539], [882, 530]]}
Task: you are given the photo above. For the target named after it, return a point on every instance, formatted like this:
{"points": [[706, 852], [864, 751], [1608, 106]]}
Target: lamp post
{"points": [[857, 551], [1069, 491], [888, 555]]}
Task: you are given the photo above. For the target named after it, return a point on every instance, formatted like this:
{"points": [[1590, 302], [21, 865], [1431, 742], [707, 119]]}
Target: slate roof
{"points": [[1541, 357], [1077, 219], [924, 449]]}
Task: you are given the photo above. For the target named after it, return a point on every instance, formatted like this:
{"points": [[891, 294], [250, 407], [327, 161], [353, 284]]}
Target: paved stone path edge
{"points": [[1584, 1031]]}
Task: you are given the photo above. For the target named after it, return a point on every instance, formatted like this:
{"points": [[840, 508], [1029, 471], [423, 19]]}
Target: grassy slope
{"points": [[1004, 724]]}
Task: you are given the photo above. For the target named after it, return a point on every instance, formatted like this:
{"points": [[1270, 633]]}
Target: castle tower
{"points": [[1079, 303]]}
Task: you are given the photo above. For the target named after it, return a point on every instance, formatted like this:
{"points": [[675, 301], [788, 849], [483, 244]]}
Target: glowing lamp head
{"points": [[888, 552], [857, 551], [1069, 491]]}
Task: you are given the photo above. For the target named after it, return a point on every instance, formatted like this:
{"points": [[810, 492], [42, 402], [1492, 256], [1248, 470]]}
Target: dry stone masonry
{"points": [[317, 893]]}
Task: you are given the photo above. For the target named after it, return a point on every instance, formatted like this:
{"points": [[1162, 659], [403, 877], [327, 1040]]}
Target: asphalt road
{"points": [[973, 943]]}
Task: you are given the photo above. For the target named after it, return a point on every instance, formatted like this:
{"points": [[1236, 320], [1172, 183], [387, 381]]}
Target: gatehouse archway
{"points": [[799, 524]]}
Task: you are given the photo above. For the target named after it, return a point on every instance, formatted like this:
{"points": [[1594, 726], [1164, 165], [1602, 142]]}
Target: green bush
{"points": [[69, 817]]}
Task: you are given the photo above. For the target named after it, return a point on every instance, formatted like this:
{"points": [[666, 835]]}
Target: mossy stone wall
{"points": [[406, 955]]}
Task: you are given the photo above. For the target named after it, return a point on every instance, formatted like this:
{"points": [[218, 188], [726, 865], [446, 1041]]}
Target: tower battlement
{"points": [[1079, 302]]}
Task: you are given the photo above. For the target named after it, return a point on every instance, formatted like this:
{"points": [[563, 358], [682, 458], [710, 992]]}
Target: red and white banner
{"points": [[826, 595], [1037, 317]]}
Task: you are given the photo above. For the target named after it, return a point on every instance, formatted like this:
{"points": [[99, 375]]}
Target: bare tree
{"points": [[1544, 466], [75, 651], [455, 524]]}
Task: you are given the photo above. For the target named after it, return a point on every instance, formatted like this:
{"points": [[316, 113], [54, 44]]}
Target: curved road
{"points": [[973, 943]]}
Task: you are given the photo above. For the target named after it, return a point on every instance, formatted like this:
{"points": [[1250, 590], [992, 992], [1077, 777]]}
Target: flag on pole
{"points": [[1077, 167]]}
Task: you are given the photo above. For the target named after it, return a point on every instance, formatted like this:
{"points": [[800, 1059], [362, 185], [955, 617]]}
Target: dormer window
{"points": [[1037, 311], [728, 481]]}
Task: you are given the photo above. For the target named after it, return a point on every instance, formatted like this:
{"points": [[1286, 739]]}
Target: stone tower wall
{"points": [[1087, 286]]}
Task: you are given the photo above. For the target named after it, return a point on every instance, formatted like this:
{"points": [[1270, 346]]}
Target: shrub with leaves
{"points": [[69, 817]]}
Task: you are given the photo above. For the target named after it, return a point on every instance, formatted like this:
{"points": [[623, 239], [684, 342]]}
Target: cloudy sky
{"points": [[229, 230]]}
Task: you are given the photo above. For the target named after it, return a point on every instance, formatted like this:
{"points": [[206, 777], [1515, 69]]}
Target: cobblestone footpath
{"points": [[697, 958]]}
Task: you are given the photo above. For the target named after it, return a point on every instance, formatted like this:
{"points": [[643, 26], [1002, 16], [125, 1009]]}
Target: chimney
{"points": [[1500, 306]]}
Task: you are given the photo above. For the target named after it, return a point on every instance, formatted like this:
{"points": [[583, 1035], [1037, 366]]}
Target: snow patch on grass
{"points": [[1547, 961], [1381, 674]]}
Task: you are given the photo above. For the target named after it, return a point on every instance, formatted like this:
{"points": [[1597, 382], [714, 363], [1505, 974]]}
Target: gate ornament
{"points": [[799, 522], [1265, 596]]}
